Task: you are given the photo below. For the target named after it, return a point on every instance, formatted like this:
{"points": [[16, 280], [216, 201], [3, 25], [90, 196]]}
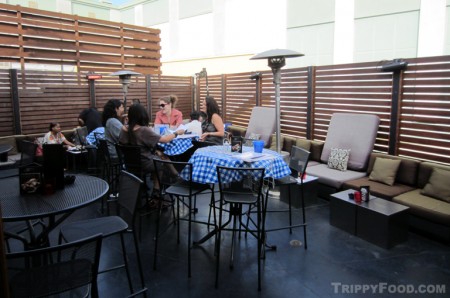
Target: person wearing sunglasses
{"points": [[167, 113]]}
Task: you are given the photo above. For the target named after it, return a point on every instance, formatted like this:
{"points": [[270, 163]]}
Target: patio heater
{"points": [[276, 60], [203, 74], [125, 80]]}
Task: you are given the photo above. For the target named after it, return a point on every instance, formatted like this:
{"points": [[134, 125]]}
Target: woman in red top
{"points": [[167, 113]]}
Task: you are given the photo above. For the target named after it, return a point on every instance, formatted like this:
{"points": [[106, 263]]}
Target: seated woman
{"points": [[138, 133], [167, 113], [112, 112], [55, 136], [212, 127]]}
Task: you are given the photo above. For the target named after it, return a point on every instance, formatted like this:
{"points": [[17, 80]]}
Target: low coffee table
{"points": [[378, 221]]}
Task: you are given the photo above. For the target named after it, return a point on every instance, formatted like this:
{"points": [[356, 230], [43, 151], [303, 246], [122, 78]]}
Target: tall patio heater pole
{"points": [[277, 59], [125, 79]]}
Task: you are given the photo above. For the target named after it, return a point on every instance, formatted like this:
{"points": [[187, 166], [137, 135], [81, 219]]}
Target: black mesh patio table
{"points": [[27, 207]]}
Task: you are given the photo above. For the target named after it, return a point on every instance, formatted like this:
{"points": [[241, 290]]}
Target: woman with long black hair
{"points": [[112, 113], [138, 133], [212, 127]]}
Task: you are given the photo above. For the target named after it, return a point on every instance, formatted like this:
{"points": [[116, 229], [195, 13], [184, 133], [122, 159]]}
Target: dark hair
{"points": [[137, 115], [211, 107], [195, 115], [52, 124], [173, 99], [109, 110]]}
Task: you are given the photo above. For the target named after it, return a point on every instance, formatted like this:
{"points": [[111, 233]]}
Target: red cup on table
{"points": [[357, 196]]}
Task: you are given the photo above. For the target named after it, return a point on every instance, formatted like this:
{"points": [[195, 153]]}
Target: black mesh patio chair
{"points": [[124, 222], [110, 169], [172, 185], [298, 163], [69, 268], [241, 187]]}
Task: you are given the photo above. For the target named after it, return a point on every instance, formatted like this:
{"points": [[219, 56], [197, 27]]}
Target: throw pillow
{"points": [[385, 170], [338, 159], [438, 186], [273, 142], [304, 144]]}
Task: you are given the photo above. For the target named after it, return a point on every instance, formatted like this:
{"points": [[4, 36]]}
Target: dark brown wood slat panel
{"points": [[8, 28], [429, 75], [425, 149], [432, 89], [50, 44], [9, 40], [45, 31], [341, 88], [353, 89], [356, 78]]}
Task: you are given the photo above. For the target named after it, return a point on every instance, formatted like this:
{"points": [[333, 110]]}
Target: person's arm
{"points": [[168, 138], [115, 131], [123, 136], [65, 141]]}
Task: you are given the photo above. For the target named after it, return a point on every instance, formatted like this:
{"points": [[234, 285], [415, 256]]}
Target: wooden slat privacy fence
{"points": [[416, 125], [415, 115], [46, 99], [41, 37]]}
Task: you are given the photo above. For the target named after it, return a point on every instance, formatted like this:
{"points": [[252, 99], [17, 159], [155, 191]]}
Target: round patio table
{"points": [[4, 149], [27, 207]]}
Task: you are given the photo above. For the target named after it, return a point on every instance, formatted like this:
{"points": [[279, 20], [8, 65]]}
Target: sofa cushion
{"points": [[338, 159], [304, 144], [438, 186], [352, 131], [385, 170], [288, 142], [273, 142], [424, 206], [332, 177], [316, 150], [425, 170], [237, 130], [378, 189], [407, 171]]}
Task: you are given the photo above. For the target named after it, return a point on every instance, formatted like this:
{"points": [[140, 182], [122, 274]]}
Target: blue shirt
{"points": [[98, 133]]}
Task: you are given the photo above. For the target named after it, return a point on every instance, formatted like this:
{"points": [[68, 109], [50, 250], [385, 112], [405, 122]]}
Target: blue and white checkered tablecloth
{"points": [[205, 160], [177, 146]]}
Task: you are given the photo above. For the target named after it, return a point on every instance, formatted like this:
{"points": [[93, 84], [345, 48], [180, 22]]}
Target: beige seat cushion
{"points": [[378, 189], [385, 170], [425, 207], [332, 177]]}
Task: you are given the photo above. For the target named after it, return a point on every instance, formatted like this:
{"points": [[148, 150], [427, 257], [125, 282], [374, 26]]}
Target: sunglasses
{"points": [[163, 105]]}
